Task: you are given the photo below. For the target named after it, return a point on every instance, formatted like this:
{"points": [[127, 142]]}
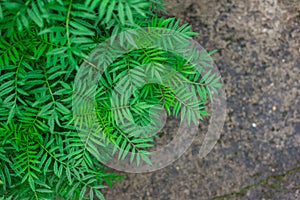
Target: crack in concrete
{"points": [[266, 181]]}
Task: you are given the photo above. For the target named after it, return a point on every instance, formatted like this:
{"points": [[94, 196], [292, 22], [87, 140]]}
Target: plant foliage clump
{"points": [[42, 45]]}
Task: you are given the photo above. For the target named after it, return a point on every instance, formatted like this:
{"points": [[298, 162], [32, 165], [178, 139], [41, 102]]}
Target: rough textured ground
{"points": [[258, 154]]}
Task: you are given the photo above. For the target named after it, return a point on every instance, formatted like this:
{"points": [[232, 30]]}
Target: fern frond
{"points": [[59, 121]]}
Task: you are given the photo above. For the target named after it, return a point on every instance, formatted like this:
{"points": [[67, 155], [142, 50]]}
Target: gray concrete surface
{"points": [[258, 154]]}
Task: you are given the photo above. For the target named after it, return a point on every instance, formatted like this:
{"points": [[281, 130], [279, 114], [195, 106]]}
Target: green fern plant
{"points": [[42, 45]]}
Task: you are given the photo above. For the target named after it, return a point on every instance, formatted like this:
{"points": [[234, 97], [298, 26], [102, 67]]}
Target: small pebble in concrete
{"points": [[186, 191], [273, 170]]}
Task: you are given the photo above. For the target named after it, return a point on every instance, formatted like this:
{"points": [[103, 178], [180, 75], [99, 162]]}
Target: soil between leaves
{"points": [[258, 154]]}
